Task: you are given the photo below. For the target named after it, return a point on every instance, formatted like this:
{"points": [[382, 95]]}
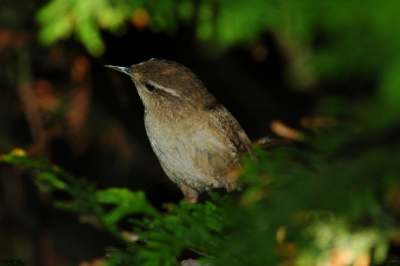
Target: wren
{"points": [[197, 140]]}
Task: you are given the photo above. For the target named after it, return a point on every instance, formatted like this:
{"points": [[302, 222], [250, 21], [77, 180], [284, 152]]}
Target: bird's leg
{"points": [[190, 195]]}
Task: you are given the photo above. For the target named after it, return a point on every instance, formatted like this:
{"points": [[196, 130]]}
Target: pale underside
{"points": [[200, 155]]}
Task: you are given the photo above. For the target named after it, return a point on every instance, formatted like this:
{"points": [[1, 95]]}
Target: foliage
{"points": [[223, 26], [301, 205], [156, 238]]}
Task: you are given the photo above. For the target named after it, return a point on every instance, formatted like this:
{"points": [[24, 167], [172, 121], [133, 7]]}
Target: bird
{"points": [[196, 139]]}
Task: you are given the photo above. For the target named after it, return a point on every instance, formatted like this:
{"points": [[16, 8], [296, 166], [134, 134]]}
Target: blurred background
{"points": [[264, 60]]}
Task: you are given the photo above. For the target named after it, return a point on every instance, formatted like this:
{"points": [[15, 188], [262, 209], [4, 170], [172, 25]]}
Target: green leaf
{"points": [[125, 203], [49, 180]]}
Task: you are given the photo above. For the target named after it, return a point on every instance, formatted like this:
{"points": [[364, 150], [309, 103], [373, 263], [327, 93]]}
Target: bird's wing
{"points": [[228, 125]]}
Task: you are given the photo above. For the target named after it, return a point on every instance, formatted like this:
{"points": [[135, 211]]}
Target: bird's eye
{"points": [[149, 87]]}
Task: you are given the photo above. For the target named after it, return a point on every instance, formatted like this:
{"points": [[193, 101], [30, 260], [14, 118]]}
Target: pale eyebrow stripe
{"points": [[168, 90]]}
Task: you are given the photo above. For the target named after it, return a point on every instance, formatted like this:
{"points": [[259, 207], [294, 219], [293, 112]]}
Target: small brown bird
{"points": [[197, 141]]}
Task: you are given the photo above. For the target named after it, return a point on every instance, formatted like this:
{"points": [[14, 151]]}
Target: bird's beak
{"points": [[125, 70]]}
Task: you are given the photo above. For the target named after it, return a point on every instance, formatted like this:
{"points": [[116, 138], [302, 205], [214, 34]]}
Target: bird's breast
{"points": [[190, 149]]}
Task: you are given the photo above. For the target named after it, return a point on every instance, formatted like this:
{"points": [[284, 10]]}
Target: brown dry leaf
{"points": [[284, 131], [95, 262], [140, 18], [341, 257], [281, 234], [363, 260], [80, 69], [45, 96]]}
